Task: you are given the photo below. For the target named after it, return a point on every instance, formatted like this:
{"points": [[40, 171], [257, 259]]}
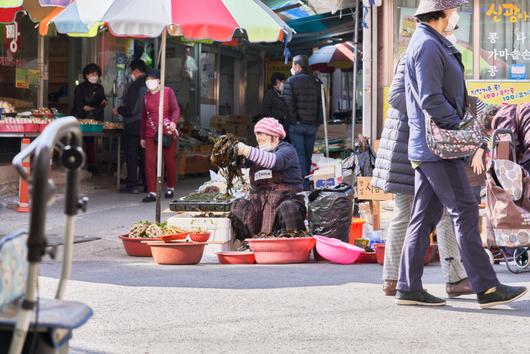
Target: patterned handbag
{"points": [[453, 143]]}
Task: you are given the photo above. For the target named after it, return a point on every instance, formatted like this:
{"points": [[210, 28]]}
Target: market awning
{"points": [[331, 57], [38, 10]]}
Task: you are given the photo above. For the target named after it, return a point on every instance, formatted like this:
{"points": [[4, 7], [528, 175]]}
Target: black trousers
{"points": [[134, 159]]}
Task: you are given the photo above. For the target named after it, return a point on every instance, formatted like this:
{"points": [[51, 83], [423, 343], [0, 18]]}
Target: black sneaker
{"points": [[149, 198], [503, 294], [420, 297], [169, 194]]}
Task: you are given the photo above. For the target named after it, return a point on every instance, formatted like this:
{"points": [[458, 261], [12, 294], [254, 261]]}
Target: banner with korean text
{"points": [[500, 91]]}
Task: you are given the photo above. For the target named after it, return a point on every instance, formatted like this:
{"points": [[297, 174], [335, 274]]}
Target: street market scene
{"points": [[237, 176]]}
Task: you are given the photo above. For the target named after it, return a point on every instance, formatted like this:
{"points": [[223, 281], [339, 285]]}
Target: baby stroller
{"points": [[29, 324], [508, 204]]}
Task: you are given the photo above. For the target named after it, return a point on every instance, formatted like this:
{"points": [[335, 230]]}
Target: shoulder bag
{"points": [[452, 143]]}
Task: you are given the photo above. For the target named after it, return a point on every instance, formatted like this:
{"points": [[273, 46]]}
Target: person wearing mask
{"points": [[435, 74], [131, 113], [394, 174], [275, 179], [89, 103], [149, 134], [302, 95], [273, 104]]}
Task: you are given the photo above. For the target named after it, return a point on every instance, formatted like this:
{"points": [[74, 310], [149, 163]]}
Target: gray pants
{"points": [[452, 267], [437, 185]]}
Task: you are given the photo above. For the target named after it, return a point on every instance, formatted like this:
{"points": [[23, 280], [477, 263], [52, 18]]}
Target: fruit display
{"points": [[112, 126], [7, 107], [42, 112], [89, 122]]}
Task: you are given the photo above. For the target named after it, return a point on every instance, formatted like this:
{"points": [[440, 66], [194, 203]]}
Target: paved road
{"points": [[144, 308]]}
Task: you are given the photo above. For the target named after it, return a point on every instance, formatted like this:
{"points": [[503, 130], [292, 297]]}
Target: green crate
{"points": [[91, 128]]}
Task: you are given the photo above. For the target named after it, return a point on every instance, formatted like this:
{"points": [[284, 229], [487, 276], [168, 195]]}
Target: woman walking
{"points": [[149, 134], [394, 174], [435, 85]]}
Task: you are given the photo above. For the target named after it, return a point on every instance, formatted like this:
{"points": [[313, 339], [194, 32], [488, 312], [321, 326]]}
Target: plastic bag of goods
{"points": [[330, 212]]}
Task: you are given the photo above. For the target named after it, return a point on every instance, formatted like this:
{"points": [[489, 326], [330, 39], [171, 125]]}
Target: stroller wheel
{"points": [[490, 255], [520, 257]]}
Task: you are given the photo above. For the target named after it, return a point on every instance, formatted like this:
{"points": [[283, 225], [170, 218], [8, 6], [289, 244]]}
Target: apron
{"points": [[268, 192]]}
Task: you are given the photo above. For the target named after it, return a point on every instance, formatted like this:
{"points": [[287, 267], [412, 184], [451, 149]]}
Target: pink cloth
{"points": [[150, 105], [270, 126]]}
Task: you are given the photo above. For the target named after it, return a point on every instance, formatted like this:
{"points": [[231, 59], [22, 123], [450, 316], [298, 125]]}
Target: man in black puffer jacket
{"points": [[302, 95], [131, 113]]}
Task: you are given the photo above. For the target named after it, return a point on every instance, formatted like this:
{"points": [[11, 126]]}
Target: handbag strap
{"points": [[417, 97], [149, 117]]}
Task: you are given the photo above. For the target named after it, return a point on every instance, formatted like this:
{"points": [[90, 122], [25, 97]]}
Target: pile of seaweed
{"points": [[283, 234], [224, 156]]}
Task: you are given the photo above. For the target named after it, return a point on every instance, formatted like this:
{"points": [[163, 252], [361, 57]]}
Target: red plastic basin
{"points": [[236, 257], [134, 246], [200, 237], [282, 250], [380, 254], [177, 253]]}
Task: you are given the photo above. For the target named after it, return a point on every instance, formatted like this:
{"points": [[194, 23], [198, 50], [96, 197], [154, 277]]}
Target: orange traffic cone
{"points": [[23, 188]]}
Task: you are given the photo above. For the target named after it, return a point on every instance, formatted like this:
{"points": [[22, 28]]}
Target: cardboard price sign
{"points": [[365, 191]]}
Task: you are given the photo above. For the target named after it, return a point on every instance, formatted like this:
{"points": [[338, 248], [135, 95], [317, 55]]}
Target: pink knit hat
{"points": [[270, 126]]}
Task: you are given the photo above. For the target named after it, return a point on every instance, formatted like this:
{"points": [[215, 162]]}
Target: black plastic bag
{"points": [[330, 212]]}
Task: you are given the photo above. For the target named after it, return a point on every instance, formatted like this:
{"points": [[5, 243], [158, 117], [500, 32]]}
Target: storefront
{"points": [[493, 37]]}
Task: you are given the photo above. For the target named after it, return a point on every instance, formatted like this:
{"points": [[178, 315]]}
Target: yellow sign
{"points": [[511, 12], [276, 66], [500, 92], [21, 78]]}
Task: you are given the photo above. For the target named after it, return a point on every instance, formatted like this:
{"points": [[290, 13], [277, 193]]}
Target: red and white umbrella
{"points": [[331, 57]]}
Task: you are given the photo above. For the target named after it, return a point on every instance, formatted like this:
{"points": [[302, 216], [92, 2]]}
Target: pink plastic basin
{"points": [[336, 251]]}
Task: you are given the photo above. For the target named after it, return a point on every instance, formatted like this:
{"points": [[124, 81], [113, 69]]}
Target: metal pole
{"points": [[67, 256], [160, 125], [355, 61], [325, 118]]}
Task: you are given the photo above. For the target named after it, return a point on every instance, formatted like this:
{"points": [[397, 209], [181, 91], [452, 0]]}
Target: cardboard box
{"points": [[365, 190], [328, 175]]}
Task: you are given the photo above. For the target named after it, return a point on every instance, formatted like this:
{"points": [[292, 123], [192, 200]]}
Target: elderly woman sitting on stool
{"points": [[275, 178]]}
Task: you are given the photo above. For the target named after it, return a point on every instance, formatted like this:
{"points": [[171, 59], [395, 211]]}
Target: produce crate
{"points": [[184, 205], [91, 128]]}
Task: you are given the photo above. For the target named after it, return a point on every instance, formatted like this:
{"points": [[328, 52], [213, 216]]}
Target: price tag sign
{"points": [[365, 191]]}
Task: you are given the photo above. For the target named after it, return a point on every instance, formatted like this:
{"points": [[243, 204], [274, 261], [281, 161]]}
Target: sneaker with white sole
{"points": [[418, 298], [500, 295]]}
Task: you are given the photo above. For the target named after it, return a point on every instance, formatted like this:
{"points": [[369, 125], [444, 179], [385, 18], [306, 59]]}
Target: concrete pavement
{"points": [[209, 308]]}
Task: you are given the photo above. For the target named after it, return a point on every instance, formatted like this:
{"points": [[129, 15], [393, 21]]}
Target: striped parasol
{"points": [[38, 10], [223, 20]]}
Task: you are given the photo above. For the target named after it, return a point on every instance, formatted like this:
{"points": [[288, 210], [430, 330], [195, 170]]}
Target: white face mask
{"points": [[152, 85], [266, 147], [93, 79], [452, 38], [453, 21], [293, 72]]}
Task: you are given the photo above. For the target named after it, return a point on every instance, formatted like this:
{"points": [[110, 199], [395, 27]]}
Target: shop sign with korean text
{"points": [[500, 91], [365, 190]]}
